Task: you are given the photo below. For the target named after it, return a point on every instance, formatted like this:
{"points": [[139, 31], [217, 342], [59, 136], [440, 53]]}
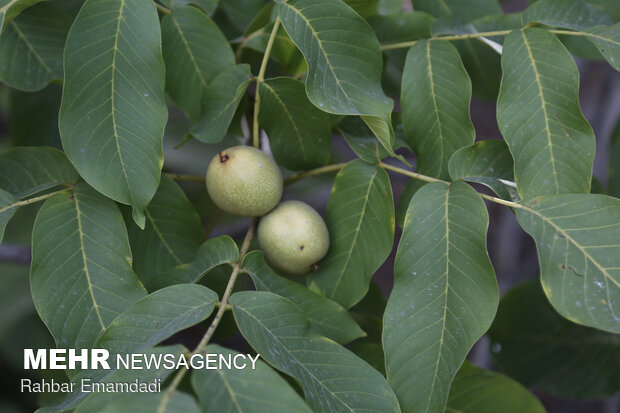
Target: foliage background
{"points": [[33, 121]]}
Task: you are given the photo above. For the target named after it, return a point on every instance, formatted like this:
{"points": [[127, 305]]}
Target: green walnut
{"points": [[293, 237], [244, 181]]}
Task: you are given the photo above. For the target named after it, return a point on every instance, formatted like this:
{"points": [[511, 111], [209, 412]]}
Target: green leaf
{"points": [[299, 134], [578, 240], [26, 171], [444, 297], [402, 27], [259, 390], [559, 353], [81, 277], [113, 109], [435, 100], [607, 41], [171, 236], [326, 317], [156, 317], [33, 117], [89, 402], [6, 210], [220, 103], [31, 47], [333, 378], [360, 219], [486, 162], [195, 51], [571, 14], [208, 6], [214, 252], [614, 162], [11, 8], [539, 115], [477, 390], [334, 40], [361, 139], [461, 10], [145, 403]]}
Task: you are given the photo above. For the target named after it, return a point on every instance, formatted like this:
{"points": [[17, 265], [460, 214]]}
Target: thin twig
{"points": [[163, 9], [313, 172], [222, 307], [183, 177], [259, 80], [408, 44]]}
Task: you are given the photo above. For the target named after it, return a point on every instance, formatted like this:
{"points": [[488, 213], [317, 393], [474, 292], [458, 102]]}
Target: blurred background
{"points": [[28, 119]]}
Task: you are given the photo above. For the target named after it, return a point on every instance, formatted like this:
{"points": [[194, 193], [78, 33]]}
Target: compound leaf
{"points": [[360, 219], [113, 109], [326, 317], [539, 115], [333, 378], [259, 390], [81, 277], [444, 297], [435, 100], [578, 240]]}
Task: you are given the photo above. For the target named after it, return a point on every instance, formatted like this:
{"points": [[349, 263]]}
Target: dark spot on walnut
{"points": [[223, 157], [301, 248]]}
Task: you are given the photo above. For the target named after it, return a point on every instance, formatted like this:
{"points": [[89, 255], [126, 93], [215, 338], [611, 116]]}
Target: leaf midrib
{"points": [[160, 235], [189, 52], [356, 232], [290, 117], [322, 49], [85, 259], [571, 240], [295, 358], [30, 47], [544, 108]]}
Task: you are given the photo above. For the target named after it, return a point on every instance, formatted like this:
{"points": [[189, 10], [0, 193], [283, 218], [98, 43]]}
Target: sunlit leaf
{"points": [[333, 378], [326, 317], [81, 277], [444, 297], [113, 110], [542, 349], [435, 102], [360, 219], [259, 390], [578, 240], [539, 115]]}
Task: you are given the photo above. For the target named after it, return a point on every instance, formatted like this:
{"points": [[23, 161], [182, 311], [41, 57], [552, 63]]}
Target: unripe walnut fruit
{"points": [[293, 237], [244, 181]]}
